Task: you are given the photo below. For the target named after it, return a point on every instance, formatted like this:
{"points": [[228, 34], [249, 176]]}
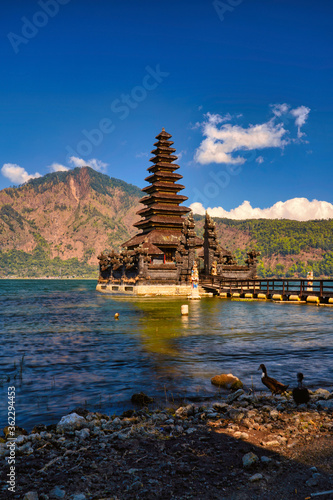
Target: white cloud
{"points": [[222, 140], [221, 143], [57, 167], [280, 109], [17, 174], [295, 209], [98, 165], [181, 154], [301, 114], [260, 159], [141, 155]]}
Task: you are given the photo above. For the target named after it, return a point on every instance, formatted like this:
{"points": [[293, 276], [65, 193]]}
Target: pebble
{"points": [[169, 421], [57, 493], [71, 422], [220, 407], [274, 414], [136, 486], [185, 411], [256, 477], [20, 440], [190, 430], [26, 449], [83, 434], [241, 435], [312, 482], [234, 396], [79, 496], [274, 442], [4, 451], [31, 495], [250, 459]]}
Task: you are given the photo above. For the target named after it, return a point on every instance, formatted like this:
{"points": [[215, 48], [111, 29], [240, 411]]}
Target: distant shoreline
{"points": [[50, 278]]}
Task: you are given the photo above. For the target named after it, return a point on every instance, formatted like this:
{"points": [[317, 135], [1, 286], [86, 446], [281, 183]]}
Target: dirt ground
{"points": [[195, 457]]}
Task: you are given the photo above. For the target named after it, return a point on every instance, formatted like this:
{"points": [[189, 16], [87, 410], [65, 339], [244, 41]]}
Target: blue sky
{"points": [[243, 86]]}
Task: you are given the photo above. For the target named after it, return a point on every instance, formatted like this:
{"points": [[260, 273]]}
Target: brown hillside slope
{"points": [[72, 214]]}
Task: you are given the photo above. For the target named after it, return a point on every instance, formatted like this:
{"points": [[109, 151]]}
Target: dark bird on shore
{"points": [[273, 385], [300, 394]]}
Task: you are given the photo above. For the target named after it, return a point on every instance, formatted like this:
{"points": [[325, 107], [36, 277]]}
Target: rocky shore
{"points": [[241, 447]]}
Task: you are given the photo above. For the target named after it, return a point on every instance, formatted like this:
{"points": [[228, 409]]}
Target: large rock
{"points": [[321, 394], [227, 381], [234, 396], [141, 399], [323, 405], [185, 411], [71, 423]]}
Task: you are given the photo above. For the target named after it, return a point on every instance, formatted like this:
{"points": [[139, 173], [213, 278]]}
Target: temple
{"points": [[162, 257]]}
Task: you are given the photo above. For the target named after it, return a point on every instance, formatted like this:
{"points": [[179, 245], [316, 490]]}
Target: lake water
{"points": [[76, 354]]}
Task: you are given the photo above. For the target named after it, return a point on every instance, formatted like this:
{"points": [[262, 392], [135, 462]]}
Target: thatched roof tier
{"points": [[162, 223], [155, 237], [164, 176], [163, 150], [161, 209], [163, 135], [163, 142], [164, 197], [163, 166], [163, 156], [162, 187]]}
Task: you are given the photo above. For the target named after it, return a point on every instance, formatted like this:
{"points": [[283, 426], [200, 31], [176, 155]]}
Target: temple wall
{"points": [[151, 290], [146, 290], [238, 272]]}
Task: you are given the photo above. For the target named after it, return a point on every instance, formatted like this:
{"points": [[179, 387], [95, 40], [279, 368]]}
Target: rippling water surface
{"points": [[76, 353]]}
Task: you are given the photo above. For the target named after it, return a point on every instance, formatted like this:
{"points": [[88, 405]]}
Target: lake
{"points": [[62, 347]]}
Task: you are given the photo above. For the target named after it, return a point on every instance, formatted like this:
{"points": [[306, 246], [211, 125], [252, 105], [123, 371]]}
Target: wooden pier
{"points": [[291, 290]]}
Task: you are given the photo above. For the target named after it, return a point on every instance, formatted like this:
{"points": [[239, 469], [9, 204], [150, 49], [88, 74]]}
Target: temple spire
{"points": [[162, 203]]}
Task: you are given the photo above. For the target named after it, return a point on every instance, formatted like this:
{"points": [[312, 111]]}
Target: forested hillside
{"points": [[288, 248]]}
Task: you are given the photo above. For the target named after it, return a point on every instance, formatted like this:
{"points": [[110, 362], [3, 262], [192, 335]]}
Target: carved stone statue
{"points": [[252, 257], [213, 271], [230, 260]]}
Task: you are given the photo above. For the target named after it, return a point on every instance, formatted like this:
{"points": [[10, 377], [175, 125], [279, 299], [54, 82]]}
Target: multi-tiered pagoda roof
{"points": [[162, 217]]}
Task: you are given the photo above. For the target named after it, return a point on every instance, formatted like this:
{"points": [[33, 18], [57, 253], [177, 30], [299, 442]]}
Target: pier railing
{"points": [[302, 288]]}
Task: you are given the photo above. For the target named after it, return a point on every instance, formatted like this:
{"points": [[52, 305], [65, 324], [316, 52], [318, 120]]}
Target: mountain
{"points": [[66, 215], [56, 225]]}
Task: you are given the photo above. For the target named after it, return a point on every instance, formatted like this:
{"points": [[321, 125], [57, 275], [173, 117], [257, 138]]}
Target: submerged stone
{"points": [[227, 381]]}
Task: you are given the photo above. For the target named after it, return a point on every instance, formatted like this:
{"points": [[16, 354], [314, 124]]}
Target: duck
{"points": [[300, 394], [273, 385]]}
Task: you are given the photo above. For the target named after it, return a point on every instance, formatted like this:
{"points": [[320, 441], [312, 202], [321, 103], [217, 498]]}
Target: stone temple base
{"points": [[148, 290]]}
